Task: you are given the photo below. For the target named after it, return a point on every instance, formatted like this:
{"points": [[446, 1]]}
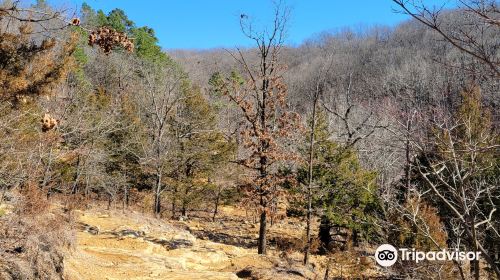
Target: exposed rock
{"points": [[225, 238], [255, 273], [333, 237], [130, 232], [91, 229], [171, 244], [244, 273], [169, 250]]}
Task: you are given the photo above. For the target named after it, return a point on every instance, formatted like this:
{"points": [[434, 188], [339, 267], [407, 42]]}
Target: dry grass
{"points": [[34, 238]]}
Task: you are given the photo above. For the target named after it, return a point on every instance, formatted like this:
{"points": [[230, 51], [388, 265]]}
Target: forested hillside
{"points": [[352, 139]]}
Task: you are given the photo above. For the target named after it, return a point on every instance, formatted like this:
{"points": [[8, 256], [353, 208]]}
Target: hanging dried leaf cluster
{"points": [[48, 122], [107, 38], [75, 21]]}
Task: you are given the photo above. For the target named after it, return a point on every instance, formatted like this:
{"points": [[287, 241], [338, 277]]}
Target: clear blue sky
{"points": [[203, 24]]}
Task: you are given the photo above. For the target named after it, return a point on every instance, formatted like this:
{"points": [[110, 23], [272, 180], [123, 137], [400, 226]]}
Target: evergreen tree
{"points": [[145, 40], [201, 148], [345, 193]]}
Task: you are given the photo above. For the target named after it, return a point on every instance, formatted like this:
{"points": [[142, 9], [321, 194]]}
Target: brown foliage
{"points": [[33, 238], [75, 21], [423, 226], [48, 123], [268, 126], [34, 201], [32, 69], [107, 38]]}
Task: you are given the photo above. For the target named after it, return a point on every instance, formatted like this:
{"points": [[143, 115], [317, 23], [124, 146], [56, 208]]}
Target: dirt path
{"points": [[138, 247], [113, 245]]}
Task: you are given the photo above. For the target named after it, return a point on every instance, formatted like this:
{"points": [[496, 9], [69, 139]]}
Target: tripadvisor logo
{"points": [[386, 255]]}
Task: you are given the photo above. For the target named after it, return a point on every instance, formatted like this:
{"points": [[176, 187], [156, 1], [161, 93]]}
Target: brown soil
{"points": [[135, 246]]}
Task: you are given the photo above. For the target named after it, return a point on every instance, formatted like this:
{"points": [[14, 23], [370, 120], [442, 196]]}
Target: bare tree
{"points": [[456, 165], [158, 100], [474, 33], [355, 125]]}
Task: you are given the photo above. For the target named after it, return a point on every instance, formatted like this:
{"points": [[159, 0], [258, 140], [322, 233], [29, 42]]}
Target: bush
{"points": [[34, 238]]}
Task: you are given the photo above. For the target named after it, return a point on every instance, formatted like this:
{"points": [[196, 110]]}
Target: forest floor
{"points": [[131, 245]]}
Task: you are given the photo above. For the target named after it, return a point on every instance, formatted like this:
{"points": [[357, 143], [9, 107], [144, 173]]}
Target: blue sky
{"points": [[204, 24]]}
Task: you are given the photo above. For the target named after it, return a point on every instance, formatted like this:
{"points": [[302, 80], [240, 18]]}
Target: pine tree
{"points": [[344, 191], [201, 148], [28, 69], [144, 39]]}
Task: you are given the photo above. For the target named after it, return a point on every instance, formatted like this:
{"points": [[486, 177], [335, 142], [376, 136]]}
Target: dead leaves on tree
{"points": [[107, 38], [48, 122], [30, 69], [268, 126], [75, 22]]}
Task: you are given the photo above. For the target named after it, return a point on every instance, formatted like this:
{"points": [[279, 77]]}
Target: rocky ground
{"points": [[131, 245]]}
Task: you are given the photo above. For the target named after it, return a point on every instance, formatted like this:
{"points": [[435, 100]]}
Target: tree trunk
{"points": [[157, 205], [125, 198], [407, 156], [272, 212], [262, 229], [87, 191], [262, 242], [310, 178], [109, 202], [183, 210], [77, 176], [174, 201], [185, 202], [173, 208], [475, 264], [216, 208], [354, 232]]}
